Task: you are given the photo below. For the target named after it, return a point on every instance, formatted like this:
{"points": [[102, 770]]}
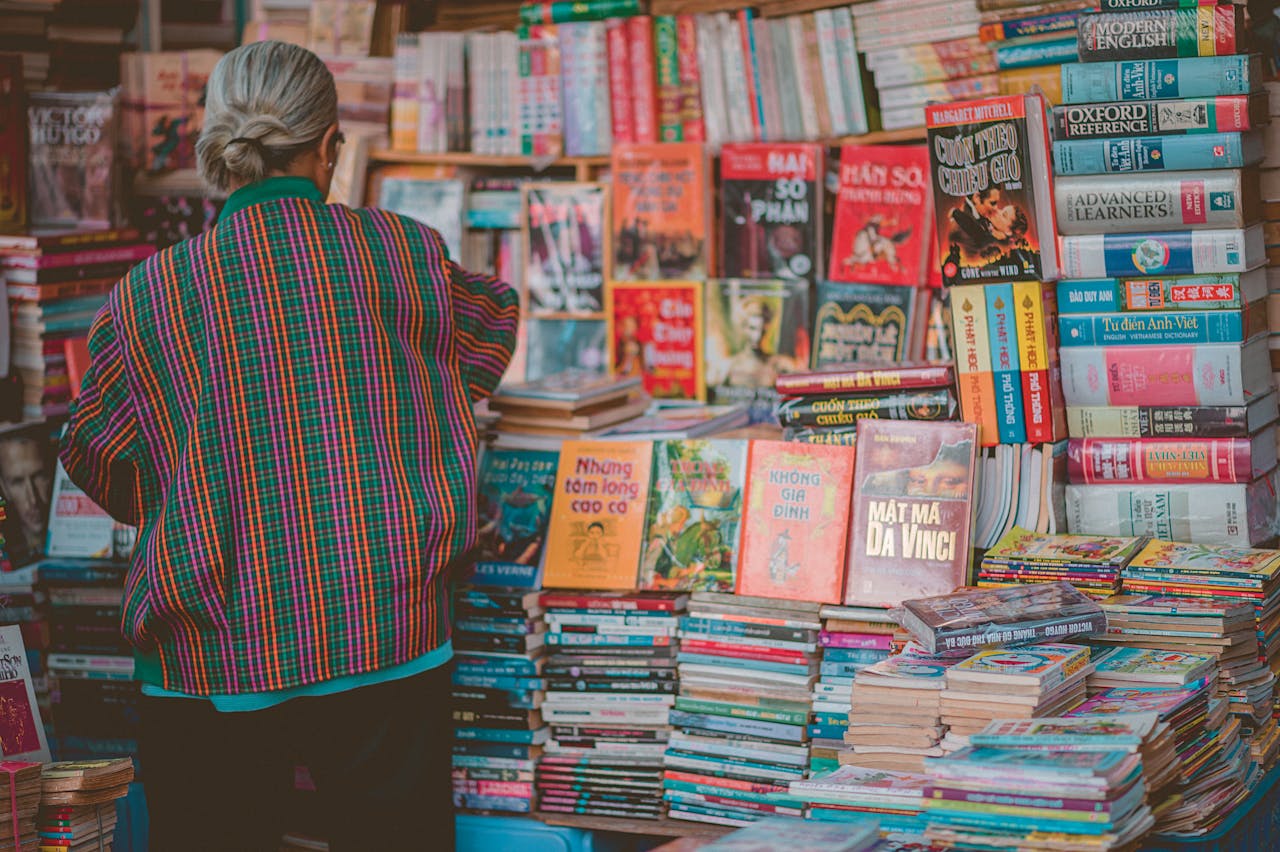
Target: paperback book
{"points": [[660, 219], [655, 332], [565, 238], [514, 490], [771, 211], [757, 331], [865, 323]]}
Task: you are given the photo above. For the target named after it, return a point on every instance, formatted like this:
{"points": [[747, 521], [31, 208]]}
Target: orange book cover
{"points": [[597, 527], [656, 333], [796, 521], [660, 218], [76, 350]]}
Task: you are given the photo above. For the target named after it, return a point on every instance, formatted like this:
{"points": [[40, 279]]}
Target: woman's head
{"points": [[271, 108]]}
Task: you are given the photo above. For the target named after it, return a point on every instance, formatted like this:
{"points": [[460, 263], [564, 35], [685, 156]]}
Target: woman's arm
{"points": [[486, 312], [100, 444]]}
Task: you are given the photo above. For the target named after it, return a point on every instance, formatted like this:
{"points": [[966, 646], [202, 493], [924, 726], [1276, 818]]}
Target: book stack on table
{"points": [[852, 793], [77, 802], [1090, 563]]}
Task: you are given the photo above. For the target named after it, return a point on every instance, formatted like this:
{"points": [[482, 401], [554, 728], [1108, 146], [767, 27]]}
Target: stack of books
{"points": [[782, 833], [851, 793], [20, 790], [498, 690], [77, 803], [1087, 799], [1090, 563], [747, 670], [1121, 667], [852, 639], [1030, 41], [567, 405], [610, 686], [56, 283], [895, 720], [1162, 242], [1269, 106], [1023, 682], [825, 406]]}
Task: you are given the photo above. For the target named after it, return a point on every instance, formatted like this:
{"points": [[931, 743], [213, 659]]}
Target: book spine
{"points": [[951, 50], [1181, 292], [831, 76], [1036, 54], [851, 78], [1135, 329], [1154, 154], [1148, 421], [935, 404], [754, 631], [568, 11], [917, 95], [1030, 25], [404, 97], [620, 105], [799, 66], [1156, 375], [751, 59], [813, 72], [1133, 5], [1160, 33], [1002, 331], [1056, 631], [973, 361], [1225, 114], [643, 81], [1175, 253], [691, 108], [1147, 79], [714, 97], [1153, 202], [667, 53], [1093, 460], [879, 379], [1033, 357], [1198, 514], [738, 711], [770, 80], [736, 94]]}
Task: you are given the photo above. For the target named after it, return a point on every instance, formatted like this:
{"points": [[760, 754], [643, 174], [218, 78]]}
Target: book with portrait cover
{"points": [[883, 227], [992, 193], [596, 532], [912, 511], [695, 508], [514, 489], [795, 521], [757, 330], [72, 158], [660, 216], [771, 208], [867, 323], [565, 248], [655, 332]]}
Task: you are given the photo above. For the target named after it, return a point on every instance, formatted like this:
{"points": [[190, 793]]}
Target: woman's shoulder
{"points": [[388, 226]]}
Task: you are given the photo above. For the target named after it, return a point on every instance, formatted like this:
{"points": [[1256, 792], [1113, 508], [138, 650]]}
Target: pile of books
{"points": [[611, 681], [56, 283], [1030, 40], [1090, 563], [77, 804], [1023, 682], [852, 639], [852, 793], [782, 833], [567, 405], [20, 790], [747, 670], [498, 691], [825, 407]]}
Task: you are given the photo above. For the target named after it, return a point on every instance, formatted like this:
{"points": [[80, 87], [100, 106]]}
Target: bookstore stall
{"points": [[888, 456]]}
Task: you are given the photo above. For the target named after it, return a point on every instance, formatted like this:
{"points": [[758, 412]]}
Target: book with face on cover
{"points": [[912, 511], [757, 330], [565, 247], [655, 332], [660, 217]]}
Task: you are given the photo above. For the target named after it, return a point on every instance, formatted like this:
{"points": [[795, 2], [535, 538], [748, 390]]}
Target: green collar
{"points": [[270, 189]]}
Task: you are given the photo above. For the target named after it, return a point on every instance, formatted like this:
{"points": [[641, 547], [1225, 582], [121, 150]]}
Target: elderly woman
{"points": [[282, 406]]}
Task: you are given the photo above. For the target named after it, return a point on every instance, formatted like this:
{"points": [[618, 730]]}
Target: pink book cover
{"points": [[912, 511], [621, 109], [795, 521], [644, 85]]}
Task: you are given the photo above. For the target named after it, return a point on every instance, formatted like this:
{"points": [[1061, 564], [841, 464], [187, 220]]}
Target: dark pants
{"points": [[379, 757]]}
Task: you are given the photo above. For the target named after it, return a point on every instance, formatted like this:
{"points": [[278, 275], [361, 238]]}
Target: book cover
{"points": [[864, 377], [1206, 115], [1045, 665], [13, 144], [795, 521], [883, 226], [1171, 201], [655, 332], [438, 204], [78, 528], [1171, 421], [695, 506], [912, 511], [514, 490], [1127, 329], [1160, 79], [1005, 363], [770, 197], [993, 222], [1160, 33], [1165, 253], [595, 536], [1213, 560], [1236, 514], [1148, 665], [1183, 374], [22, 735], [1162, 293], [867, 323], [756, 331], [1026, 547], [1131, 700], [72, 158], [565, 245], [1141, 154], [975, 381], [659, 212], [556, 345]]}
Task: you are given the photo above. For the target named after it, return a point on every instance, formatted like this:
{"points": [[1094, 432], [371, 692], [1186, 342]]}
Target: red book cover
{"points": [[912, 511], [13, 144], [644, 94], [690, 79], [770, 223], [655, 332], [796, 521], [866, 378], [82, 257], [883, 217], [747, 652], [1097, 460], [621, 109], [1033, 355], [77, 354]]}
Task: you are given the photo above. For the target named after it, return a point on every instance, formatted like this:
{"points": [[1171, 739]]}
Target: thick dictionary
{"points": [[1160, 33], [1162, 292], [1186, 459], [1166, 253], [1222, 114], [1091, 204], [1158, 153], [1126, 329], [1145, 79], [1171, 421], [1181, 374]]}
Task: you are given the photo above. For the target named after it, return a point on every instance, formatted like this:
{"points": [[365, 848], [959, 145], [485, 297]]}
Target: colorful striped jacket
{"points": [[283, 407]]}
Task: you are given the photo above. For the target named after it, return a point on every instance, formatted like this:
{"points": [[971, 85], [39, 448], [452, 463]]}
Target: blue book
{"points": [[1037, 53], [939, 815], [1153, 328], [841, 719], [1165, 253], [1005, 367], [733, 725], [738, 663], [473, 667], [501, 735], [1157, 153], [853, 655], [589, 640], [747, 796], [841, 669], [491, 682], [475, 802], [502, 626], [1147, 79], [514, 488], [827, 732], [479, 748]]}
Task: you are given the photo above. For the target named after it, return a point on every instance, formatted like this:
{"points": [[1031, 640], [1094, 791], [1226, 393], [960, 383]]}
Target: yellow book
{"points": [[974, 378]]}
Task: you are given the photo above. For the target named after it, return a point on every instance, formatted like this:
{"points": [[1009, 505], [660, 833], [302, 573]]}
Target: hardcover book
{"points": [[1157, 153], [1160, 79], [1163, 253], [695, 506], [757, 331], [883, 215], [795, 521], [1129, 329], [866, 323], [1213, 292], [993, 200], [514, 490], [1160, 33], [565, 245], [660, 218], [1188, 459], [1014, 615], [597, 532], [72, 156], [1222, 114], [1183, 374], [1171, 421], [771, 211], [867, 377], [655, 332], [912, 511], [1155, 202], [1236, 514]]}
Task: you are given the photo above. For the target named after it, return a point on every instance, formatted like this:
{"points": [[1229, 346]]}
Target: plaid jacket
{"points": [[282, 405]]}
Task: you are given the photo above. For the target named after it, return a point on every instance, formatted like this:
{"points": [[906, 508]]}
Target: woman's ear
{"points": [[326, 158]]}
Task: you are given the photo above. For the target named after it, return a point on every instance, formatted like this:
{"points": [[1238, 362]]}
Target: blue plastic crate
{"points": [[1255, 826], [482, 833]]}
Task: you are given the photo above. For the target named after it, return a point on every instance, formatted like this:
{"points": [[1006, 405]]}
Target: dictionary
{"points": [[1226, 326], [1212, 292], [1158, 153], [1160, 33], [1187, 459], [1171, 421], [1147, 79], [1089, 204], [1168, 253], [1176, 116], [1181, 374]]}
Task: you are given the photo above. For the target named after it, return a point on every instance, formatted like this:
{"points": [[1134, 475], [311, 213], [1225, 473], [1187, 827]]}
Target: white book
{"points": [[851, 78], [741, 128], [1239, 514], [830, 56], [809, 125]]}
